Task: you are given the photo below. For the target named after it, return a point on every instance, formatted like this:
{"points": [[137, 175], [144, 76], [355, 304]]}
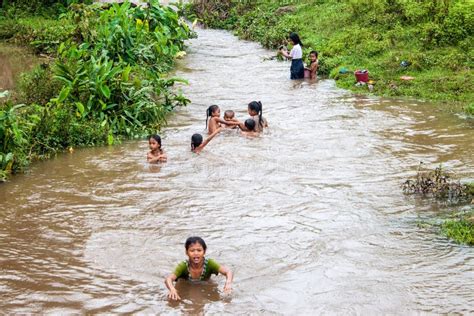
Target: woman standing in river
{"points": [[296, 56]]}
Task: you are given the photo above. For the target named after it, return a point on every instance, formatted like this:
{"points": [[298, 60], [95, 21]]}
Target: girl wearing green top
{"points": [[197, 268]]}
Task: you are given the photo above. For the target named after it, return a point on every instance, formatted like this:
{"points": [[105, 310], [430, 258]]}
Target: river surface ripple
{"points": [[310, 215]]}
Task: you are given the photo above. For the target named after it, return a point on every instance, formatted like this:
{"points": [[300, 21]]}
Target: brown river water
{"points": [[310, 216]]}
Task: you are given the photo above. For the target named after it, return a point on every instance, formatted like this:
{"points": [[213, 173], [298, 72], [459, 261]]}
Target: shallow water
{"points": [[14, 60], [310, 216]]}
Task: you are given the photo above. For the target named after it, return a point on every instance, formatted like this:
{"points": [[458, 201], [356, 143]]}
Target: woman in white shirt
{"points": [[296, 56]]}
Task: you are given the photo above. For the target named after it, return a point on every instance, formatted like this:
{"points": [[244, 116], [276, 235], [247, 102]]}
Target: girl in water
{"points": [[214, 121], [296, 56], [197, 268], [156, 153], [255, 111], [197, 145]]}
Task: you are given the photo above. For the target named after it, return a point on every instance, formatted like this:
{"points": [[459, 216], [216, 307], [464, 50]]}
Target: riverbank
{"points": [[429, 44], [104, 77]]}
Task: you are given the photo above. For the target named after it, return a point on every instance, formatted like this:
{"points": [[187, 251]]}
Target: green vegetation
{"points": [[439, 184], [430, 41], [106, 78], [461, 228]]}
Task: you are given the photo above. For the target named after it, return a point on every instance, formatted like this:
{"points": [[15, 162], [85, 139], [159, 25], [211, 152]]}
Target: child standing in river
{"points": [[196, 268], [312, 69], [156, 154], [296, 56]]}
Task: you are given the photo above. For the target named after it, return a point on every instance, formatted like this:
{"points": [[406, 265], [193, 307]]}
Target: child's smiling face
{"points": [[196, 253], [312, 57]]}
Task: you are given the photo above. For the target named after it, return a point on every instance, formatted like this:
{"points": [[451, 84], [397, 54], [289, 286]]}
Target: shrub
{"points": [[39, 85]]}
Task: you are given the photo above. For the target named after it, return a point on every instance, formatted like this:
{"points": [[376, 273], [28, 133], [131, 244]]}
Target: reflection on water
{"points": [[309, 216]]}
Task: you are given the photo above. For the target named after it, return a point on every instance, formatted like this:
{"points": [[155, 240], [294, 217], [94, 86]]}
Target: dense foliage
{"points": [[428, 40], [106, 80]]}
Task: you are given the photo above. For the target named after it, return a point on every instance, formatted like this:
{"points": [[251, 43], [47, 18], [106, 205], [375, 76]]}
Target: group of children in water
{"points": [[214, 124], [197, 267]]}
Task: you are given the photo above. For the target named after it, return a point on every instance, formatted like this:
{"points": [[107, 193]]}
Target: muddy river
{"points": [[310, 216]]}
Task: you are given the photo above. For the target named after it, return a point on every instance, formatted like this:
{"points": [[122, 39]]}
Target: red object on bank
{"points": [[361, 75]]}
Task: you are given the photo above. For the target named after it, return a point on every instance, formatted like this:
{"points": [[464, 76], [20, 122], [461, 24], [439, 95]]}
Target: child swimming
{"points": [[312, 68], [197, 268], [156, 153], [197, 145], [255, 111], [213, 119], [249, 128]]}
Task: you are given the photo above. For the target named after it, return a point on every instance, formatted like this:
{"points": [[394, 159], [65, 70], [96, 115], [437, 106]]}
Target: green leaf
{"points": [[80, 107], [64, 94], [105, 90], [126, 73], [110, 139]]}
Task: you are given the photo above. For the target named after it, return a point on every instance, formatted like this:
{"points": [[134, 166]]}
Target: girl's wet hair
{"points": [[257, 107], [209, 112], [157, 138], [192, 240], [314, 52], [196, 140], [250, 124], [295, 38]]}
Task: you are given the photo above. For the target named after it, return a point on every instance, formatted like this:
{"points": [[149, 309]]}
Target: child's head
{"points": [[211, 111], [196, 141], [295, 39], [313, 56], [195, 248], [229, 115], [254, 108], [250, 124], [195, 240], [154, 141]]}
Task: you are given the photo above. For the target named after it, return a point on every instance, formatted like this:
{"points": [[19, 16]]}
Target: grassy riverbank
{"points": [[430, 41], [104, 78]]}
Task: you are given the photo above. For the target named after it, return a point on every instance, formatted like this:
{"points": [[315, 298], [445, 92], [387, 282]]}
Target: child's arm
{"points": [[149, 157], [173, 294], [229, 277], [314, 70], [207, 140], [160, 158], [231, 123]]}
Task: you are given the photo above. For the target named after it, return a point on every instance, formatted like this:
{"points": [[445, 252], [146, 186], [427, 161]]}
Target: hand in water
{"points": [[173, 295], [227, 289]]}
